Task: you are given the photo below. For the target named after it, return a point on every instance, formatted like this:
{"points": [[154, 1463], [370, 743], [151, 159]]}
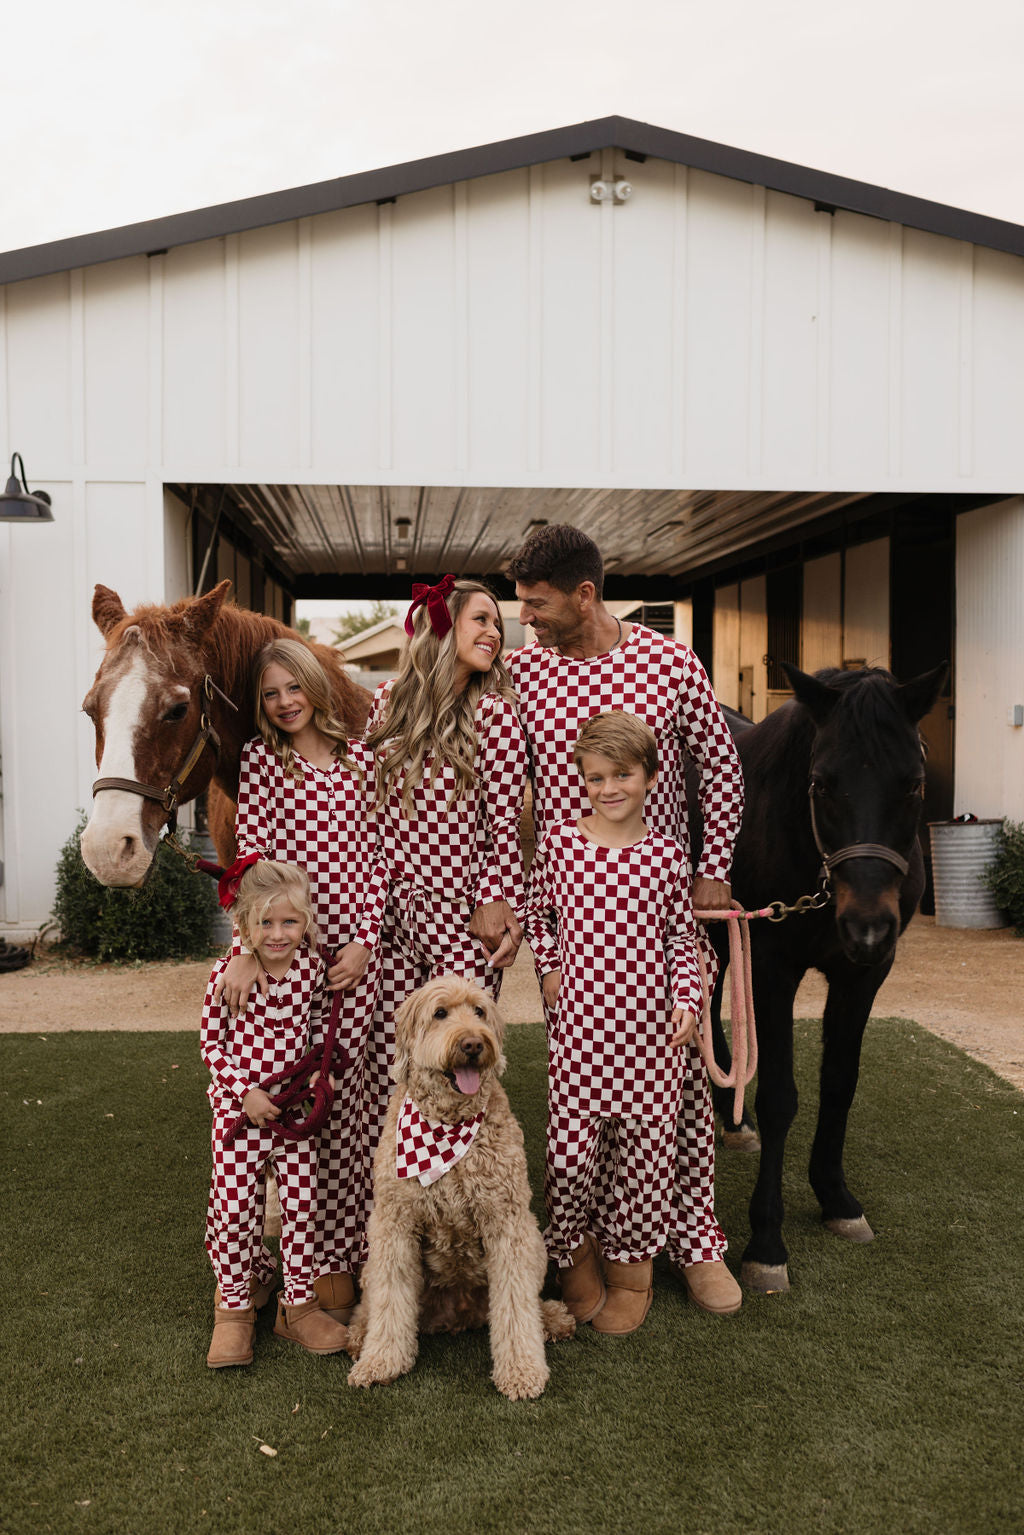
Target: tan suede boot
{"points": [[630, 1291], [311, 1328], [711, 1287], [582, 1286], [232, 1338], [337, 1295]]}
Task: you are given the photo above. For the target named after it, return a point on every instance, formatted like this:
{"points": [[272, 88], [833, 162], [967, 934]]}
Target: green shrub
{"points": [[170, 917], [1005, 876]]}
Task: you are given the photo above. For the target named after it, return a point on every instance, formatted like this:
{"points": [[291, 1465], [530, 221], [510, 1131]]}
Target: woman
{"points": [[451, 775]]}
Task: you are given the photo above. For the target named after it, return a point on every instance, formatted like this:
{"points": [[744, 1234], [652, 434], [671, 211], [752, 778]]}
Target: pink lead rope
{"points": [[744, 1032]]}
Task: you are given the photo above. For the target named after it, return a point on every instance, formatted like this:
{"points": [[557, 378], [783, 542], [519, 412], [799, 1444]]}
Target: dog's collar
{"points": [[428, 1148]]}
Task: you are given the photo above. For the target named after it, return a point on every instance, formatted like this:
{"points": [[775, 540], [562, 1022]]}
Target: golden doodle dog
{"points": [[452, 1241]]}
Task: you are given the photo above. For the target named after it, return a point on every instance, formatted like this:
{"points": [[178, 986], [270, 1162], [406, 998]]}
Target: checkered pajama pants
{"points": [[423, 936], [343, 1207], [234, 1218], [612, 1177], [342, 1210], [692, 1233]]}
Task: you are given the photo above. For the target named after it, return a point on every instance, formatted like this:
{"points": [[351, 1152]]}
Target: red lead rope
{"points": [[291, 1127], [744, 1033]]}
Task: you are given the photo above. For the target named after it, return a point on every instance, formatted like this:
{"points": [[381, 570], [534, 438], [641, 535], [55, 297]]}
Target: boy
{"points": [[623, 975]]}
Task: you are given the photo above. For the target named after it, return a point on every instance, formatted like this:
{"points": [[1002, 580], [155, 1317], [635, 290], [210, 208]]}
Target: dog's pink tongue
{"points": [[467, 1079]]}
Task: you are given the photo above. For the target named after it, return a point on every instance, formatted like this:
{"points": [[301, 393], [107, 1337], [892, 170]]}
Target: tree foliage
{"points": [[350, 624]]}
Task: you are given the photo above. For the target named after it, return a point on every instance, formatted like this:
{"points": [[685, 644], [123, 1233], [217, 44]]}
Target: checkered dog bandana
{"points": [[427, 1148]]}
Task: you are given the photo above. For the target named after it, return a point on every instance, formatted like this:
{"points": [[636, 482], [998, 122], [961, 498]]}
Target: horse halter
{"points": [[855, 849], [170, 796]]}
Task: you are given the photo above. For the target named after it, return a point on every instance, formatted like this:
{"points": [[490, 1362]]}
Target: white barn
{"points": [[789, 401]]}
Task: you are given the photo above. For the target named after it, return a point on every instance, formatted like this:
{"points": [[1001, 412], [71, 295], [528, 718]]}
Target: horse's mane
{"points": [[872, 715], [869, 717], [234, 637]]}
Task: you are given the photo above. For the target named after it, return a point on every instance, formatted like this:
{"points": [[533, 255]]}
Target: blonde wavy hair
{"points": [[425, 716], [302, 664], [260, 886]]}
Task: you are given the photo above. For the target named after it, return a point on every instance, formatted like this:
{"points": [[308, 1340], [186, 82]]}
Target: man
{"points": [[586, 661]]}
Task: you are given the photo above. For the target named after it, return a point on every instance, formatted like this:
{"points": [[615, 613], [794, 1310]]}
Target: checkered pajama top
{"points": [[268, 1035], [326, 825], [471, 852], [662, 682], [626, 949]]}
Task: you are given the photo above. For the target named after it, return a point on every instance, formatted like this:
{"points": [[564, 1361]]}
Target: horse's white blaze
{"points": [[112, 842]]}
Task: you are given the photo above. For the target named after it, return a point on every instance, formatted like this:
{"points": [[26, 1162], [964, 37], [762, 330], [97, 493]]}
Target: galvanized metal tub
{"points": [[962, 852]]}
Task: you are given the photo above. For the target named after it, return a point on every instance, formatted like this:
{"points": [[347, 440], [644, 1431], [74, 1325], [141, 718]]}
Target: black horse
{"points": [[834, 783]]}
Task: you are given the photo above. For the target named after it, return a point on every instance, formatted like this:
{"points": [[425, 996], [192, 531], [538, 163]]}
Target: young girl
{"points": [[272, 1032], [306, 794], [624, 978], [451, 774]]}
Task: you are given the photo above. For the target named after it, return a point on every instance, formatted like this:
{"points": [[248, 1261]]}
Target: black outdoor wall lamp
{"points": [[18, 503]]}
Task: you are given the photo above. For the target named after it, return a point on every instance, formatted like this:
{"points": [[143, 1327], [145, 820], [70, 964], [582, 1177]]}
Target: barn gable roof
{"points": [[635, 139]]}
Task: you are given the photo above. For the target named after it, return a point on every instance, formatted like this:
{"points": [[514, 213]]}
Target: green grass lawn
{"points": [[882, 1394]]}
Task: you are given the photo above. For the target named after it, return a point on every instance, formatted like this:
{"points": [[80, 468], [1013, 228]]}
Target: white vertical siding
{"points": [[990, 660], [500, 300], [116, 364], [507, 330], [345, 329], [866, 604]]}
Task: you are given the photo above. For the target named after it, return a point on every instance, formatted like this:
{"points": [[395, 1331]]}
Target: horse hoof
{"points": [[765, 1278], [745, 1138], [854, 1230]]}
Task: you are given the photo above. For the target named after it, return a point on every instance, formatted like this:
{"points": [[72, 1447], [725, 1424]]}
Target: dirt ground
{"points": [[964, 986]]}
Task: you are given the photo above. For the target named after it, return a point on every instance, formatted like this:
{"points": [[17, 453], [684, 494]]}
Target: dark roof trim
{"points": [[635, 139]]}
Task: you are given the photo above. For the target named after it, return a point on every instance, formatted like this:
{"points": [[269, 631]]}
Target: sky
{"points": [[122, 110]]}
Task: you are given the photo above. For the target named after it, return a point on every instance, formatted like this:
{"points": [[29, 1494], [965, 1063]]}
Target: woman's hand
{"points": [[260, 1107], [235, 985], [549, 988], [686, 1028], [495, 925], [347, 967]]}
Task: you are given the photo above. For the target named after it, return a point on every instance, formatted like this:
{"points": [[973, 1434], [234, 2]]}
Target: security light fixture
{"points": [[18, 503]]}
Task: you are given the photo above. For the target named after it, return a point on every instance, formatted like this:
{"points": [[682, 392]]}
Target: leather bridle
{"points": [[855, 849], [170, 796]]}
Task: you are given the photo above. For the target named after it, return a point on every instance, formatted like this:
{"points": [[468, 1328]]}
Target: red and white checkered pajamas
{"points": [[663, 683], [270, 1034], [325, 824], [444, 864], [626, 949]]}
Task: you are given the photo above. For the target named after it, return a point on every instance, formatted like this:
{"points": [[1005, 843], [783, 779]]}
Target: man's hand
{"points": [[686, 1028], [235, 985], [496, 927], [260, 1108], [347, 967], [549, 988], [711, 894]]}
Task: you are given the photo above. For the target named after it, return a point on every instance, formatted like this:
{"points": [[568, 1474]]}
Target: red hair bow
{"points": [[227, 885], [437, 608]]}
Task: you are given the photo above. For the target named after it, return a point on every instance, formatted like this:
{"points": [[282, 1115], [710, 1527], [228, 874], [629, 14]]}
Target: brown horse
{"points": [[161, 705]]}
